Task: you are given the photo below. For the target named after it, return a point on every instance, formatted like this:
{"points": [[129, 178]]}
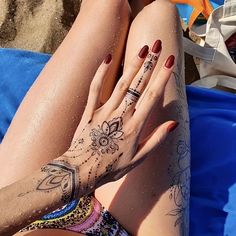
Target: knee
{"points": [[160, 8], [116, 5], [117, 8]]}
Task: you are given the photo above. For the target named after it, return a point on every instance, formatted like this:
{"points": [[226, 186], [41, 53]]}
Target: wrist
{"points": [[76, 173]]}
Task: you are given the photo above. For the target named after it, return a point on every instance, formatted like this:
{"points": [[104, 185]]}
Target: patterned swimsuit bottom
{"points": [[85, 216]]}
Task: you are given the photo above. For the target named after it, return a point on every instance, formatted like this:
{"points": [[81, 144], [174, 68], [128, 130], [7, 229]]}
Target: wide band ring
{"points": [[133, 95]]}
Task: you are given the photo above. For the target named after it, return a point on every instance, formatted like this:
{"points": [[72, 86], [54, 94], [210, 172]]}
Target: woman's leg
{"points": [[44, 125], [153, 198]]}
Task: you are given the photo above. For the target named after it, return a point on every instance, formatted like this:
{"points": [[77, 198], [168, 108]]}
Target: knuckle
{"points": [[129, 131], [119, 6], [114, 7], [114, 3], [135, 64], [132, 128], [123, 85], [151, 95]]}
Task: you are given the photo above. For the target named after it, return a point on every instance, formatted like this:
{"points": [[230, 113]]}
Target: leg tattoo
{"points": [[180, 167]]}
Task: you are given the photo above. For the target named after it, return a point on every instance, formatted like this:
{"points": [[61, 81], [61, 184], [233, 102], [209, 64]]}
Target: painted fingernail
{"points": [[170, 62], [172, 127], [157, 46], [143, 52], [108, 58]]}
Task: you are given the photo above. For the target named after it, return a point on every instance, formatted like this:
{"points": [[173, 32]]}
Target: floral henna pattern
{"points": [[105, 138], [148, 65], [179, 168], [59, 175]]}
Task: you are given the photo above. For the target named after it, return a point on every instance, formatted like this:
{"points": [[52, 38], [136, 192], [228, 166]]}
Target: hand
{"points": [[107, 143]]}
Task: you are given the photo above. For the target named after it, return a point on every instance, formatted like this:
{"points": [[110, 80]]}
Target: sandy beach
{"points": [[41, 25], [38, 25]]}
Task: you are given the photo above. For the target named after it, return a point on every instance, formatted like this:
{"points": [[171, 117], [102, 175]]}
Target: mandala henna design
{"points": [[105, 138], [59, 175]]}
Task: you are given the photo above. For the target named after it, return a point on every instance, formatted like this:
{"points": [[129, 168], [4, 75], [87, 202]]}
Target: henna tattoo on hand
{"points": [[75, 144], [133, 94], [128, 103], [148, 65], [105, 138], [60, 175]]}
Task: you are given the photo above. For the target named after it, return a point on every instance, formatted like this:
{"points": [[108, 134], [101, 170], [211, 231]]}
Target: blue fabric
{"points": [[213, 141], [217, 3], [186, 11], [213, 144], [18, 70]]}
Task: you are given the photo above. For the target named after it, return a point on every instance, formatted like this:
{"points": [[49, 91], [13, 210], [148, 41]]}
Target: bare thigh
{"points": [[46, 120], [153, 198]]}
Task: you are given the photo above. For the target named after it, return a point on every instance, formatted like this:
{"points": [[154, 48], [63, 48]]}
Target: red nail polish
{"points": [[143, 52], [170, 62], [172, 127], [157, 46], [108, 59]]}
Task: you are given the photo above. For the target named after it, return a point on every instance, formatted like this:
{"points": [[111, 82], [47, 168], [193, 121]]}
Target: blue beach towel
{"points": [[213, 141]]}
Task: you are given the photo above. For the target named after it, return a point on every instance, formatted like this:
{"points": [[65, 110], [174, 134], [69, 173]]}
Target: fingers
{"points": [[140, 81], [124, 83], [154, 140], [154, 92], [96, 87]]}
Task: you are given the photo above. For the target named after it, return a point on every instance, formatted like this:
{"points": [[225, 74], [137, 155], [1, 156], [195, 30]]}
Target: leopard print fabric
{"points": [[85, 216]]}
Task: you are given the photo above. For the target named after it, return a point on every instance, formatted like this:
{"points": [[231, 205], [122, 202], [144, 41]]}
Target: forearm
{"points": [[45, 190]]}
